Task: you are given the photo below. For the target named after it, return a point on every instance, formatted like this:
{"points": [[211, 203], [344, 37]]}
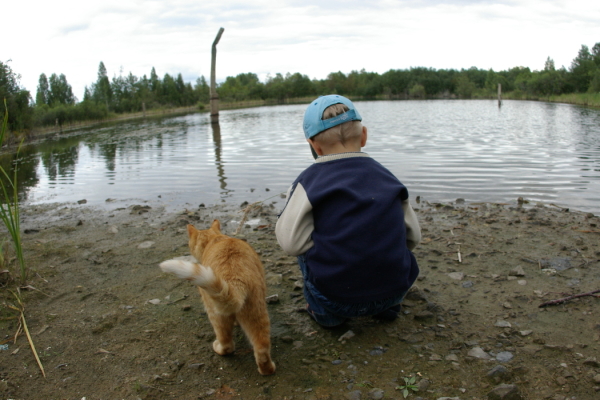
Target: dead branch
{"points": [[565, 299]]}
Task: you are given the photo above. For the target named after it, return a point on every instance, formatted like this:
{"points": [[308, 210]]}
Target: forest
{"points": [[54, 102]]}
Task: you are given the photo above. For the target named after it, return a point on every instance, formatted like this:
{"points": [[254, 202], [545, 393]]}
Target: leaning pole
{"points": [[214, 97]]}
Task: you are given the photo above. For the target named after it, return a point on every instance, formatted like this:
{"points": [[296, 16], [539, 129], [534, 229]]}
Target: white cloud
{"points": [[309, 37]]}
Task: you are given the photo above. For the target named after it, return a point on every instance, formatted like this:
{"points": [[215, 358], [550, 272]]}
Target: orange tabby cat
{"points": [[231, 280]]}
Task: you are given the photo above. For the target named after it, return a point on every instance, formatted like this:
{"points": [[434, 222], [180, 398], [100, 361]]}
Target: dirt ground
{"points": [[108, 324]]}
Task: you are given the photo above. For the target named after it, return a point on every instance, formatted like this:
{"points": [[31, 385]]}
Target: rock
{"points": [[502, 324], [272, 299], [451, 357], [423, 315], [337, 362], [81, 201], [592, 362], [517, 271], [423, 384], [556, 264], [195, 365], [477, 352], [596, 379], [353, 395], [526, 332], [504, 356], [505, 392], [145, 245], [273, 279], [346, 336], [499, 374], [375, 394], [467, 284], [456, 275], [435, 357]]}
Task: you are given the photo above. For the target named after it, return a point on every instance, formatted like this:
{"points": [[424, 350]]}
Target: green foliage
{"points": [[17, 100], [408, 387], [56, 105]]}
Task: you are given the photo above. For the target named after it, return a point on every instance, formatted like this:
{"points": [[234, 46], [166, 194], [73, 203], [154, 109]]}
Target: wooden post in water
{"points": [[214, 97], [499, 95]]}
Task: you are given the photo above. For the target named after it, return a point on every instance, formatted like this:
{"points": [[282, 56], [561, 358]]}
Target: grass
{"points": [[9, 214], [9, 207]]}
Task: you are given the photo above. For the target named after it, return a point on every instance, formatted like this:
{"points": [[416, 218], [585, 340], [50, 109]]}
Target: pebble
{"points": [[504, 356], [347, 335], [354, 395], [517, 271], [145, 245], [456, 275], [376, 394], [337, 362], [478, 352], [499, 374], [502, 324], [505, 392], [467, 284], [272, 299]]}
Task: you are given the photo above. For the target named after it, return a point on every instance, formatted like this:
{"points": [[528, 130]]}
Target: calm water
{"points": [[441, 150]]}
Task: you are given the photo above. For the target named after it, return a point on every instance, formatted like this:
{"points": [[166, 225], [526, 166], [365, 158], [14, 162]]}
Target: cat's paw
{"points": [[267, 368], [221, 349]]}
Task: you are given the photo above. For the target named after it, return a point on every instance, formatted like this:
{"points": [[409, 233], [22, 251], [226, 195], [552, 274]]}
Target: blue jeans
{"points": [[331, 313]]}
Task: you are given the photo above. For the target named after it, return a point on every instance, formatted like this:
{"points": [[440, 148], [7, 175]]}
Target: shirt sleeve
{"points": [[413, 230], [295, 224]]}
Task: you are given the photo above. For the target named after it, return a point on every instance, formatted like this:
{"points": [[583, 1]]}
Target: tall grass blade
{"points": [[9, 207]]}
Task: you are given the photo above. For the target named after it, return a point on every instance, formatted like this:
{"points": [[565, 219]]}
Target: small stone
{"points": [[423, 315], [451, 357], [596, 379], [145, 245], [505, 392], [522, 282], [435, 357], [456, 275], [346, 336], [81, 201], [337, 362], [195, 365], [477, 352], [502, 324], [517, 271], [526, 332], [186, 307], [353, 395], [154, 301], [375, 394], [592, 362], [274, 298], [273, 279], [504, 356], [499, 374]]}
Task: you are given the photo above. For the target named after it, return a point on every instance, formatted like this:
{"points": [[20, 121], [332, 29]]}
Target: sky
{"points": [[266, 37]]}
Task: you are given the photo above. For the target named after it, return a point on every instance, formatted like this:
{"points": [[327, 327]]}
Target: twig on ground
{"points": [[565, 299]]}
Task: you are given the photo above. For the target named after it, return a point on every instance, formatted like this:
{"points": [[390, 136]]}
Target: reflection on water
{"points": [[440, 149]]}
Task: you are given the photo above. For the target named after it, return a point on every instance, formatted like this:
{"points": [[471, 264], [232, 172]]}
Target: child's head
{"points": [[333, 120]]}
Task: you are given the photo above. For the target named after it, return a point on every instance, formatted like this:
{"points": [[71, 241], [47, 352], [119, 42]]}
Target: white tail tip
{"points": [[198, 274]]}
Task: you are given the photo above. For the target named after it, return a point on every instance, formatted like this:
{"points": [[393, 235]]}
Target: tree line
{"points": [[55, 103]]}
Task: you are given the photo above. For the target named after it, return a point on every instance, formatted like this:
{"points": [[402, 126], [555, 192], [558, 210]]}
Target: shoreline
{"points": [[108, 323]]}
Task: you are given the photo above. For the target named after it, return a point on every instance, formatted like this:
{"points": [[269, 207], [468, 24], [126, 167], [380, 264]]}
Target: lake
{"points": [[440, 149]]}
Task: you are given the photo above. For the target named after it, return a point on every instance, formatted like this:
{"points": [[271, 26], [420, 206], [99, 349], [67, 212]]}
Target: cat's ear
{"points": [[216, 226], [191, 229]]}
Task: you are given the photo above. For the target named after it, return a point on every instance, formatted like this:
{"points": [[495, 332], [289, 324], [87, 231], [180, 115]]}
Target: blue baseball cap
{"points": [[313, 117]]}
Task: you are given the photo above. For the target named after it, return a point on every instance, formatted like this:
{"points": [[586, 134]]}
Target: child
{"points": [[349, 221]]}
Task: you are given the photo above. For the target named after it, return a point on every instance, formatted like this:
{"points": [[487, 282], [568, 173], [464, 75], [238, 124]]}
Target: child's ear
{"points": [[316, 146]]}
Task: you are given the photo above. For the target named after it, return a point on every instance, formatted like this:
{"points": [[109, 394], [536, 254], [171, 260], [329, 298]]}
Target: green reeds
{"points": [[9, 206]]}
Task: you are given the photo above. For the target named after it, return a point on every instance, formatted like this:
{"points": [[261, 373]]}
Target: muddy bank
{"points": [[108, 324]]}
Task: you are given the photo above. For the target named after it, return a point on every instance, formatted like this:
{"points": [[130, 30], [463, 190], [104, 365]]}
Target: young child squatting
{"points": [[349, 221]]}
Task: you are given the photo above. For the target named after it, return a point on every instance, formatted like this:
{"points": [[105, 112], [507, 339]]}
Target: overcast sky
{"points": [[270, 36]]}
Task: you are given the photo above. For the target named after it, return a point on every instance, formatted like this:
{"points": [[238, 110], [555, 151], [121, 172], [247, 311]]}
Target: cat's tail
{"points": [[228, 299], [198, 274]]}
